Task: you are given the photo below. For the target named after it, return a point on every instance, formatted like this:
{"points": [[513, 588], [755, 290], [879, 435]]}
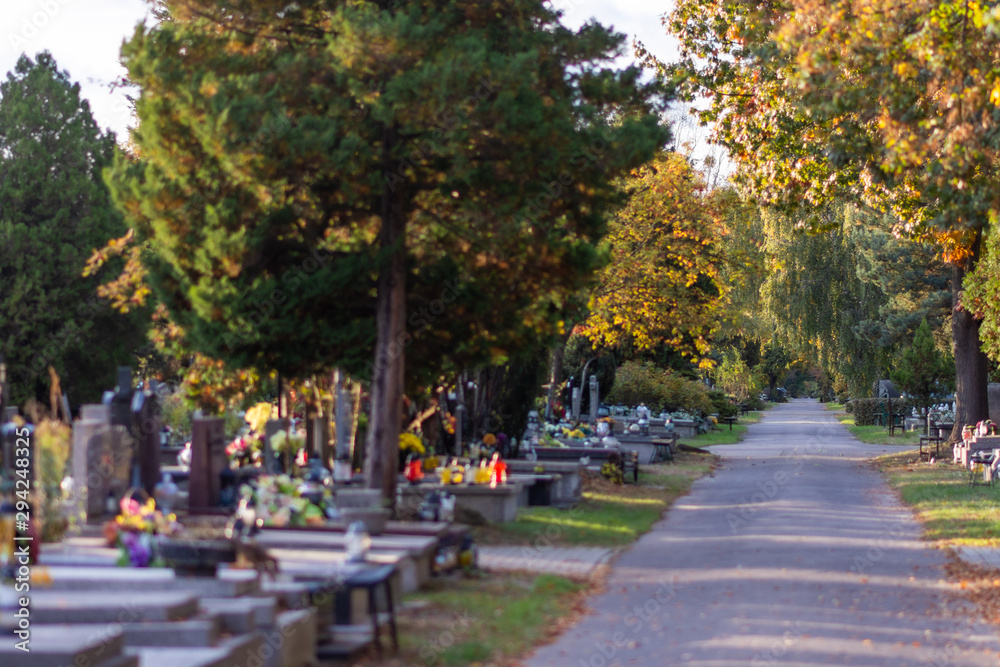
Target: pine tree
{"points": [[352, 183], [54, 210], [923, 372]]}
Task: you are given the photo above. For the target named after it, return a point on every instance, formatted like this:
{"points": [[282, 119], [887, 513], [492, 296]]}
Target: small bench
{"points": [[728, 420]]}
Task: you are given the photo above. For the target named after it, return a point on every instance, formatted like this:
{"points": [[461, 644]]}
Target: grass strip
{"points": [[609, 515], [951, 511]]}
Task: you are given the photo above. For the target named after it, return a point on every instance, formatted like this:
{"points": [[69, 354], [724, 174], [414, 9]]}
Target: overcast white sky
{"points": [[85, 37]]}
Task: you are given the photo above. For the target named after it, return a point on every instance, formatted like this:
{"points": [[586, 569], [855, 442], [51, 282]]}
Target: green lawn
{"points": [[492, 618], [874, 435], [609, 515], [951, 511], [722, 435]]}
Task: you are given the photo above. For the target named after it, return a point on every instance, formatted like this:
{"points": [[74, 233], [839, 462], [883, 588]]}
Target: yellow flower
{"points": [[489, 440], [408, 442]]}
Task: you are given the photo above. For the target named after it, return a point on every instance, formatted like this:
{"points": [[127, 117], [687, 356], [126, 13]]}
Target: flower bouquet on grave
{"points": [[280, 502], [289, 448], [135, 530], [410, 444]]}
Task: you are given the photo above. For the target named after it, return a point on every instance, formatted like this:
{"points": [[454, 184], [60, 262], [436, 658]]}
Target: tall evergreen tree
{"points": [[923, 372], [350, 183], [54, 210]]}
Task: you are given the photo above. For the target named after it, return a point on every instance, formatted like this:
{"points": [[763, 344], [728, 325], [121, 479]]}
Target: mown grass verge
{"points": [[609, 515]]}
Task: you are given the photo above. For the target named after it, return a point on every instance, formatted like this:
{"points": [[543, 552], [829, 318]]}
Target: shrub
{"points": [[867, 411], [641, 382], [721, 404]]}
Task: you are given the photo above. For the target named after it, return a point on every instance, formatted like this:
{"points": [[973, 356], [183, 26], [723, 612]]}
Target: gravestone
{"points": [[145, 428], [271, 464], [108, 470], [120, 400], [321, 438], [576, 404], [993, 394], [92, 419], [342, 466], [594, 399], [208, 461]]}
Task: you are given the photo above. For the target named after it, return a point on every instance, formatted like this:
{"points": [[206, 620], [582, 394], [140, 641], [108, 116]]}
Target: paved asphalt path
{"points": [[793, 553]]}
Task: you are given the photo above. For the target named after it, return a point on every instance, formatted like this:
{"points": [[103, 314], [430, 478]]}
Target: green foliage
{"points": [[924, 373], [641, 382], [734, 377], [774, 362], [272, 154], [868, 411], [818, 101], [52, 441], [54, 210], [722, 405], [663, 283]]}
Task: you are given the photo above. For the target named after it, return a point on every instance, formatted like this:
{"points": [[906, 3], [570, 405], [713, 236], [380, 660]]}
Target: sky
{"points": [[85, 37]]}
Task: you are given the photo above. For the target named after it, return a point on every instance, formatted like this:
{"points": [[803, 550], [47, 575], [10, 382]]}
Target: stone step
{"points": [[98, 607], [237, 615], [200, 632], [228, 583], [241, 651], [60, 645]]}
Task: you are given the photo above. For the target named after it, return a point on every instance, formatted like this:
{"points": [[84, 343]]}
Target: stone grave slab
{"points": [[61, 645], [498, 505], [415, 566], [229, 583], [567, 490], [232, 652], [101, 607]]}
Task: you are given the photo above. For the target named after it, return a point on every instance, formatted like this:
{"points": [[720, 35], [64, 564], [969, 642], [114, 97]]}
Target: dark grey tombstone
{"points": [[208, 461], [146, 431], [109, 459], [993, 396], [271, 464], [120, 399]]}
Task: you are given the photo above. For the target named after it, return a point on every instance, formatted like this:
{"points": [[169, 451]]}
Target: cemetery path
{"points": [[794, 553]]}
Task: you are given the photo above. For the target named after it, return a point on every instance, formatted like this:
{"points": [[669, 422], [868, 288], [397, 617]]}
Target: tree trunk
{"points": [[382, 462], [971, 364]]}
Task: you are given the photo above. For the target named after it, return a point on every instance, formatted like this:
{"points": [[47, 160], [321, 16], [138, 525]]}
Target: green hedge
{"points": [[867, 411]]}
